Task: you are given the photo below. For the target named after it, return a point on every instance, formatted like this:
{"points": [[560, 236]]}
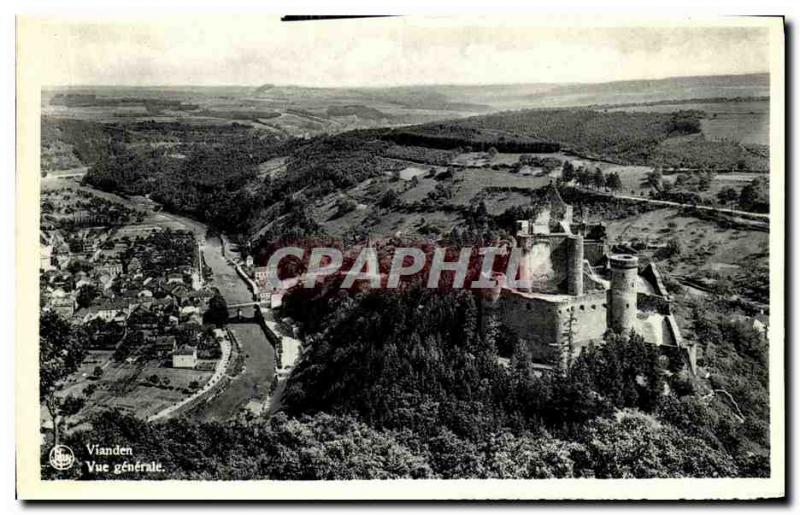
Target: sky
{"points": [[388, 51]]}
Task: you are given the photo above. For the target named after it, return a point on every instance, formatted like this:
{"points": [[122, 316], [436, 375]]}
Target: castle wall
{"points": [[545, 261], [534, 321], [594, 251], [591, 317], [543, 324]]}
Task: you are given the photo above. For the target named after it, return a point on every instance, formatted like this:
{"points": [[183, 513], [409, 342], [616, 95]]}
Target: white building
{"points": [[185, 357], [46, 258]]}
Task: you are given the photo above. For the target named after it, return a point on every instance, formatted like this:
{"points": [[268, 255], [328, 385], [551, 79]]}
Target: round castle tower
{"points": [[575, 266], [622, 295]]}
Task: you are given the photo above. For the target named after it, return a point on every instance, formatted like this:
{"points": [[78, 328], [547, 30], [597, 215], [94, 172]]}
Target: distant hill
{"points": [[493, 97], [356, 110]]}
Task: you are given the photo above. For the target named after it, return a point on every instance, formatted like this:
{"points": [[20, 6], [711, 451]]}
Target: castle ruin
{"points": [[576, 290]]}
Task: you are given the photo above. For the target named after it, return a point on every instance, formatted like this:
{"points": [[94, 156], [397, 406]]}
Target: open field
{"points": [[126, 386], [477, 176], [705, 246]]}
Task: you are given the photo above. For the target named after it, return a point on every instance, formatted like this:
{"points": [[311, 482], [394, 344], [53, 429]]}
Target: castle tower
{"points": [[622, 294], [575, 265]]}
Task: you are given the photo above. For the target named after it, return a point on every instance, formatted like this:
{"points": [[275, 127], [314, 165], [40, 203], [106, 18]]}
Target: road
{"points": [[668, 203]]}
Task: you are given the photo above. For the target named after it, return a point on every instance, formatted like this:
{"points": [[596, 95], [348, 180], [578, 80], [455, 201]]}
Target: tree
{"points": [[704, 180], [97, 373], [598, 179], [71, 405], [613, 181], [528, 457], [217, 312], [317, 447], [585, 176], [89, 390], [79, 265], [569, 335], [61, 350], [567, 171], [654, 179], [755, 196], [86, 294], [453, 457], [727, 194], [673, 248], [635, 445], [344, 205]]}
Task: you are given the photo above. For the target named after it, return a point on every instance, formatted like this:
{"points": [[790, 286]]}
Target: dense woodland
{"points": [[621, 135], [669, 139], [450, 136]]}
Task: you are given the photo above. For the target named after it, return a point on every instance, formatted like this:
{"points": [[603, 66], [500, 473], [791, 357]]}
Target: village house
{"points": [[104, 280], [134, 266], [175, 277], [180, 292], [199, 299], [190, 313], [197, 280], [83, 281], [63, 306], [185, 357], [46, 258], [143, 318], [164, 345], [112, 267], [109, 310]]}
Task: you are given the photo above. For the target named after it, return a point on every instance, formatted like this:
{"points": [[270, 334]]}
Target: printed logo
{"points": [[61, 457]]}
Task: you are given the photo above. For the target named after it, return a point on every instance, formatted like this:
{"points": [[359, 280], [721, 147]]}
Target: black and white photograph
{"points": [[532, 253]]}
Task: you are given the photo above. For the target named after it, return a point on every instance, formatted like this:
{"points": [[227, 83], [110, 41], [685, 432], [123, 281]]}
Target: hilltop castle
{"points": [[578, 290]]}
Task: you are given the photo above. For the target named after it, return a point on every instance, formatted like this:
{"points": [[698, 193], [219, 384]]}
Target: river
{"points": [[259, 364]]}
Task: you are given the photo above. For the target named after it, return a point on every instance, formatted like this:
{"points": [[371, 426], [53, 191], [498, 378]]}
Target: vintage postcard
{"points": [[397, 258]]}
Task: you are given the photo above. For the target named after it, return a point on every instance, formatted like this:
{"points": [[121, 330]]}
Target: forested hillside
{"points": [[404, 385], [418, 362], [208, 172]]}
